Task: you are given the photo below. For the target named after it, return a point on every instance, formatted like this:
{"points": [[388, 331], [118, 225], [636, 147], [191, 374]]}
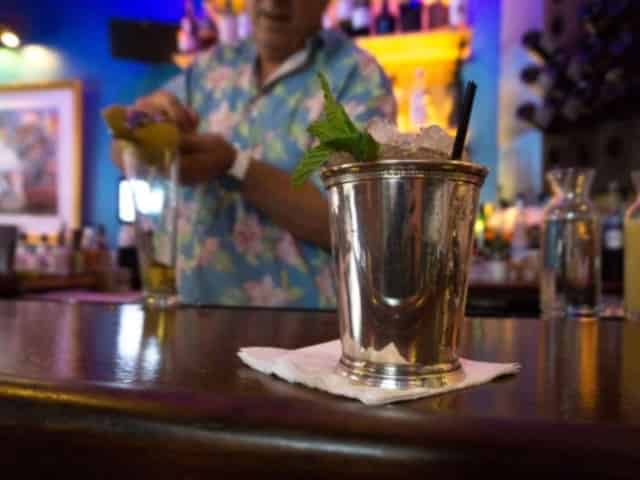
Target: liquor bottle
{"points": [[127, 256], [344, 13], [188, 41], [535, 42], [537, 78], [385, 21], [519, 236], [88, 248], [22, 254], [458, 13], [227, 23], [77, 256], [612, 237], [418, 114], [62, 254], [361, 18], [543, 117], [207, 29], [43, 255], [411, 16], [243, 20], [327, 21], [438, 14]]}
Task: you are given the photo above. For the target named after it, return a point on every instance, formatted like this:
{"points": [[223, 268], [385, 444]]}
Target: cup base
{"points": [[153, 300], [400, 377]]}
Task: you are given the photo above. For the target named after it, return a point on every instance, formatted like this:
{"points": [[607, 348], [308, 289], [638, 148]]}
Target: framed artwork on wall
{"points": [[41, 156]]}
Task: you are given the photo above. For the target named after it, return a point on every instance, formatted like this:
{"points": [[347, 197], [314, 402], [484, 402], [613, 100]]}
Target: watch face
{"points": [[240, 166]]}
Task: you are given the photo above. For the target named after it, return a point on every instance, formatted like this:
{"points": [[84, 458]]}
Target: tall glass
{"points": [[632, 255], [570, 284], [153, 183], [402, 235]]}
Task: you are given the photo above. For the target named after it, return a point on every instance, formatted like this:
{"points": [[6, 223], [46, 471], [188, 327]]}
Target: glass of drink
{"points": [[570, 283], [152, 176], [402, 235], [632, 255]]}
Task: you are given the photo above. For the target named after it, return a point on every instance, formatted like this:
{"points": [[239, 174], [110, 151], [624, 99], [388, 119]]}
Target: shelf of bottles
{"points": [[419, 43]]}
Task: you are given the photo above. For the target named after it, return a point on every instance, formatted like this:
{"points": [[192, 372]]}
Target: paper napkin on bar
{"points": [[314, 367]]}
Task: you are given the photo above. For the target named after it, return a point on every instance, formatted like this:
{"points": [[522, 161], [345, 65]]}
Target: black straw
{"points": [[461, 134]]}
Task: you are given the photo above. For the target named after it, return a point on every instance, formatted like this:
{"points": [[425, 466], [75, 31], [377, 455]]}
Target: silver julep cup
{"points": [[402, 238]]}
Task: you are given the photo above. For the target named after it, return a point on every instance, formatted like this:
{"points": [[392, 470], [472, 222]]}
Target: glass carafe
{"points": [[632, 255], [570, 282]]}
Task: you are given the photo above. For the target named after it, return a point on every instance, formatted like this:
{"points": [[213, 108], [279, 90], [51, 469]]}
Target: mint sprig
{"points": [[336, 133]]}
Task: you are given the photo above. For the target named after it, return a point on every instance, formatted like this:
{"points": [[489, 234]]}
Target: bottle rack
{"points": [[607, 140]]}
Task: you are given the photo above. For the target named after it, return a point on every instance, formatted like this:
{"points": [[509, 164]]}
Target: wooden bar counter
{"points": [[89, 391]]}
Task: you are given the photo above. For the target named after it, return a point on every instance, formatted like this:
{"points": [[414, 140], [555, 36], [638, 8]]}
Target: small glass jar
{"points": [[632, 255], [570, 280]]}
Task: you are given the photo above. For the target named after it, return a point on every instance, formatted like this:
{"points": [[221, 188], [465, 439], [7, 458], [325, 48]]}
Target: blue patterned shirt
{"points": [[229, 252]]}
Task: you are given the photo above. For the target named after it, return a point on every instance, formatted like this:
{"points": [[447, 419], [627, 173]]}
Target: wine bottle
{"points": [[243, 19], [344, 14], [438, 14], [411, 16], [385, 21], [227, 24], [612, 237], [361, 18], [545, 117], [458, 12], [188, 41], [535, 42], [536, 77], [207, 29]]}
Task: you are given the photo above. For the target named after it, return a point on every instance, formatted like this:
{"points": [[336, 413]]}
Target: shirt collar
{"points": [[297, 61]]}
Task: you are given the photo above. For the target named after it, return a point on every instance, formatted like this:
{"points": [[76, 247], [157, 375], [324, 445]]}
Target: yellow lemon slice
{"points": [[116, 118], [157, 136]]}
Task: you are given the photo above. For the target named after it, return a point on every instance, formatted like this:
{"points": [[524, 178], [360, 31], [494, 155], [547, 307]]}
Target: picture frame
{"points": [[41, 135]]}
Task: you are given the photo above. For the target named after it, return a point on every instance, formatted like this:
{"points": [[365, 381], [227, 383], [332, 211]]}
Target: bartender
{"points": [[246, 236]]}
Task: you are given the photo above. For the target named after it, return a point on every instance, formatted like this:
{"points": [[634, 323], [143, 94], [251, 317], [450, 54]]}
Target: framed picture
{"points": [[40, 156]]}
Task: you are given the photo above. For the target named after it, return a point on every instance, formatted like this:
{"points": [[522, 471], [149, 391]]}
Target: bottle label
{"points": [[613, 239]]}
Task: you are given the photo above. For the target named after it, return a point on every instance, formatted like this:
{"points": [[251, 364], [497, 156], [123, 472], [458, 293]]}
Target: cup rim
{"points": [[466, 171]]}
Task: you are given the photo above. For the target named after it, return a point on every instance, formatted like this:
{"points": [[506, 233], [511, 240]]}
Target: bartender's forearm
{"points": [[302, 211]]}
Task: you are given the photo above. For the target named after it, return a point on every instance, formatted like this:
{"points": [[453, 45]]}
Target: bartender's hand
{"points": [[204, 157], [167, 105]]}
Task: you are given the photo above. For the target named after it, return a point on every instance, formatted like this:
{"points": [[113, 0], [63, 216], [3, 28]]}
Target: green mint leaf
{"points": [[310, 162], [335, 115], [337, 133], [367, 149]]}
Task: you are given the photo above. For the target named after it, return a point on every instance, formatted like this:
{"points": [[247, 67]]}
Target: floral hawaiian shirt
{"points": [[229, 252]]}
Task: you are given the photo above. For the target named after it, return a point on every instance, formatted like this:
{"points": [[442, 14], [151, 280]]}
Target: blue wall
{"points": [[76, 40], [75, 34], [484, 69]]}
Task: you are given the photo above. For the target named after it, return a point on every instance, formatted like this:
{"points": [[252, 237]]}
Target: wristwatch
{"points": [[240, 165]]}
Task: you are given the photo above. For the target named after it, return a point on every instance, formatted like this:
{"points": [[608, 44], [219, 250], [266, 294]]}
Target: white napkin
{"points": [[315, 367]]}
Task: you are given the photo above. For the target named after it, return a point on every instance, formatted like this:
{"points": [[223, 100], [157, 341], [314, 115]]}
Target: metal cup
{"points": [[402, 234], [153, 184]]}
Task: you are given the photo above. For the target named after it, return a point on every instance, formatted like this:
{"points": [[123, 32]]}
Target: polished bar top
{"points": [[163, 394]]}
